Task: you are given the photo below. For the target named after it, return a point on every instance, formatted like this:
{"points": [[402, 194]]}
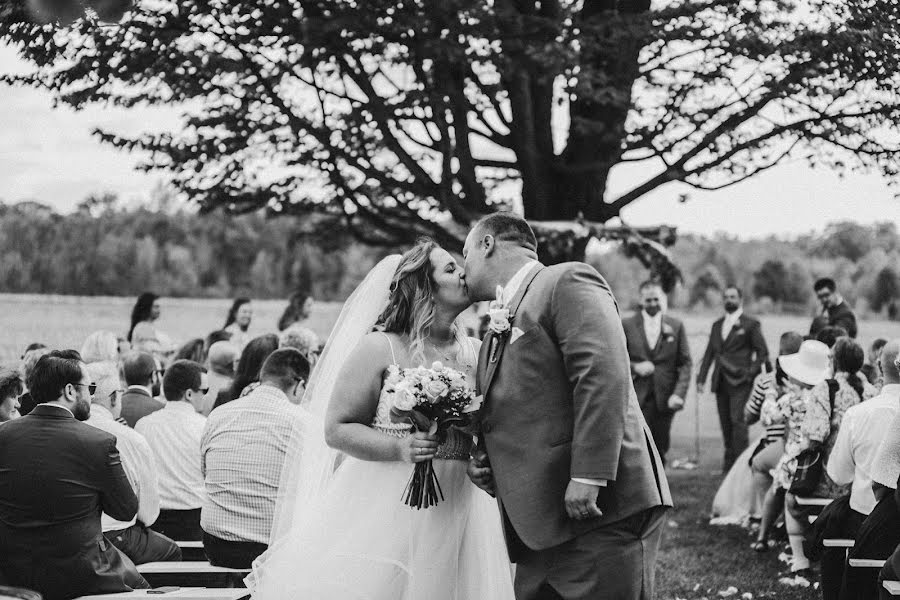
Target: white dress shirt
{"points": [[509, 292], [139, 465], [652, 327], [241, 454], [174, 434], [731, 320], [853, 457]]}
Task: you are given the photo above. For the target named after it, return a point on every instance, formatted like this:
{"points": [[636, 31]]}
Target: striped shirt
{"points": [[139, 465], [173, 433], [242, 452], [763, 384]]}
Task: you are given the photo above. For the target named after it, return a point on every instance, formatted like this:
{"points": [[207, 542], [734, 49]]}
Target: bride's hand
{"points": [[418, 447]]}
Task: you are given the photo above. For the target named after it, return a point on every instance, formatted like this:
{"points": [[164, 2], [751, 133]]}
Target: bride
{"points": [[341, 529]]}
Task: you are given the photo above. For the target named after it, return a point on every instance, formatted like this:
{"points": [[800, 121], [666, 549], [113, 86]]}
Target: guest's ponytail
{"points": [[849, 358]]}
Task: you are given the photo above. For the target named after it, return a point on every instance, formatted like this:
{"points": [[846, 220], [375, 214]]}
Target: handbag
{"points": [[809, 462]]}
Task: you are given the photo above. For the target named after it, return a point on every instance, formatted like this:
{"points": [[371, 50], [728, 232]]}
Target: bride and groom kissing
{"points": [[572, 489]]}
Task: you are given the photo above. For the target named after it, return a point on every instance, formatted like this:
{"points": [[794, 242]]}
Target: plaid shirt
{"points": [[242, 452]]}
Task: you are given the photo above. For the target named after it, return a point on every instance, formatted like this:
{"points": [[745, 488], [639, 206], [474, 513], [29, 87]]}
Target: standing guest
{"points": [[242, 453], [852, 462], [11, 387], [29, 359], [735, 351], [220, 363], [872, 368], [57, 475], [143, 334], [834, 307], [140, 372], [301, 338], [174, 436], [133, 537], [247, 371], [238, 322], [100, 346], [298, 308], [660, 363], [827, 404]]}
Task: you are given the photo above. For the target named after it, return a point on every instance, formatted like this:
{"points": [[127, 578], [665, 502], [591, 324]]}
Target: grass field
{"points": [[697, 561]]}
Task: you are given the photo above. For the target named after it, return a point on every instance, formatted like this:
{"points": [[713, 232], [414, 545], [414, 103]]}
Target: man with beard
{"points": [[660, 363], [57, 475], [736, 351]]}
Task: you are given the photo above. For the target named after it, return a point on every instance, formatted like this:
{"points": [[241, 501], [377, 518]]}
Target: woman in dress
{"points": [[297, 311], [143, 334], [345, 532], [238, 322]]}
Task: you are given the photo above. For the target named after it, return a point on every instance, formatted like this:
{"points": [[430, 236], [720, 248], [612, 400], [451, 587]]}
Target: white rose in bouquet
{"points": [[404, 398], [436, 388]]}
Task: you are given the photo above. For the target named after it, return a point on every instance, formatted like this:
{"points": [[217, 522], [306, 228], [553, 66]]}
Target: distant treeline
{"points": [[105, 249]]}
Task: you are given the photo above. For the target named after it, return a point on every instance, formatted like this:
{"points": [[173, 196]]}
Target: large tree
{"points": [[401, 118]]}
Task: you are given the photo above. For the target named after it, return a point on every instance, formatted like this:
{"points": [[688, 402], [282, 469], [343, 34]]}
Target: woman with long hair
{"points": [[144, 335], [145, 310], [330, 523], [238, 322], [297, 311], [247, 372]]}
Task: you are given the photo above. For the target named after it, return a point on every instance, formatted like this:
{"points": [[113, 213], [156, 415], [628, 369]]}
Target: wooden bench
{"points": [[192, 551], [813, 501], [892, 587], [190, 544], [192, 574], [837, 543], [181, 594], [867, 563]]}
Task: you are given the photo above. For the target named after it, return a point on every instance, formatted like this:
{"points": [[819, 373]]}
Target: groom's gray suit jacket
{"points": [[559, 403]]}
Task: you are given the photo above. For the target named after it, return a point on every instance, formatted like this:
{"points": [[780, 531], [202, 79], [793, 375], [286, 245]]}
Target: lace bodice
{"points": [[457, 446]]}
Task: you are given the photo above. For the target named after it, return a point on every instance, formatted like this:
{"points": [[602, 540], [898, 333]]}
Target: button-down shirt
{"points": [[509, 292], [731, 319], [139, 465], [174, 434], [242, 452], [652, 327], [853, 457]]}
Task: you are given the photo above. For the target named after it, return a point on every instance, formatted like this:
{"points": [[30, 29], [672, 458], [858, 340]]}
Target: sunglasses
{"points": [[92, 387], [203, 390]]}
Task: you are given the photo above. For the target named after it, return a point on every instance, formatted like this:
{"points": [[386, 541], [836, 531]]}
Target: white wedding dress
{"points": [[357, 540]]}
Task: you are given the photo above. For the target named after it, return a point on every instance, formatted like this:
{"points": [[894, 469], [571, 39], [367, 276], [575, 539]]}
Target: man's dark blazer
{"points": [[56, 476], [136, 404], [842, 316], [738, 358], [671, 358]]}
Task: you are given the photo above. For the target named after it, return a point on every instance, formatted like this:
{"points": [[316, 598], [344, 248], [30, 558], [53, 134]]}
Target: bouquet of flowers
{"points": [[432, 400]]}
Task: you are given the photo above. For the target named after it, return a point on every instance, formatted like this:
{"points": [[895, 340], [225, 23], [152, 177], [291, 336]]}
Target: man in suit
{"points": [[563, 445], [57, 475], [736, 350], [139, 369], [834, 307], [660, 363]]}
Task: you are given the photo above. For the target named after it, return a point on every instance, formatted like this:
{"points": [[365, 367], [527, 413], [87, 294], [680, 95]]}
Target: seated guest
{"points": [[247, 370], [299, 306], [829, 335], [242, 453], [215, 336], [133, 537], [851, 462], [818, 324], [301, 338], [174, 436], [100, 346], [139, 370], [192, 350], [29, 359], [891, 569], [220, 361], [872, 367], [238, 322], [56, 477], [828, 403], [11, 386]]}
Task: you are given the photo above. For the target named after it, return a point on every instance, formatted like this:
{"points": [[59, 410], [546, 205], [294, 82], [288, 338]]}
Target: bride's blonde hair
{"points": [[410, 308]]}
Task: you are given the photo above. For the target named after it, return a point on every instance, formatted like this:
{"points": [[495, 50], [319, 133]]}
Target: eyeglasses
{"points": [[92, 387]]}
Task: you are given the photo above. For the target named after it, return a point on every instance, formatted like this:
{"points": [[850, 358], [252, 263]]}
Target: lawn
{"points": [[697, 560]]}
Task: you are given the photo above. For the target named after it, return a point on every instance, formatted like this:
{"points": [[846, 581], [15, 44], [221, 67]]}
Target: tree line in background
{"points": [[105, 248]]}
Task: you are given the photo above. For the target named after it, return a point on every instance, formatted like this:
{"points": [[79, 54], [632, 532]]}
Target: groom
{"points": [[564, 446]]}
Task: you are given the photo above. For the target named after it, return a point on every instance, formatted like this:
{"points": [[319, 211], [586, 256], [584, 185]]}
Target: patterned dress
{"points": [[790, 410]]}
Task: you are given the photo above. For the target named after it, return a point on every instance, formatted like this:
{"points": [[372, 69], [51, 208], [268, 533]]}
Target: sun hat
{"points": [[810, 365]]}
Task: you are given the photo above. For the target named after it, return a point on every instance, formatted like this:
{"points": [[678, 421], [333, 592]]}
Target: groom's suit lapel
{"points": [[501, 341]]}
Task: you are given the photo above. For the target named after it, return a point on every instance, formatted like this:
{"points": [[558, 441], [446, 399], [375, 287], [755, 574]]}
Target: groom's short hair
{"points": [[508, 227]]}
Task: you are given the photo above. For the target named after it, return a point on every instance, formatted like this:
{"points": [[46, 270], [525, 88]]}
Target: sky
{"points": [[49, 155]]}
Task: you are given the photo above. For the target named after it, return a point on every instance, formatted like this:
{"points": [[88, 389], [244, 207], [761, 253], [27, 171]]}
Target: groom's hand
{"points": [[480, 472], [581, 501]]}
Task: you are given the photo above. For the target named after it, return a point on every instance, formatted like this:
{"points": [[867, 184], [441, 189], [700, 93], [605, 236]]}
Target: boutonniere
{"points": [[498, 314], [668, 333]]}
